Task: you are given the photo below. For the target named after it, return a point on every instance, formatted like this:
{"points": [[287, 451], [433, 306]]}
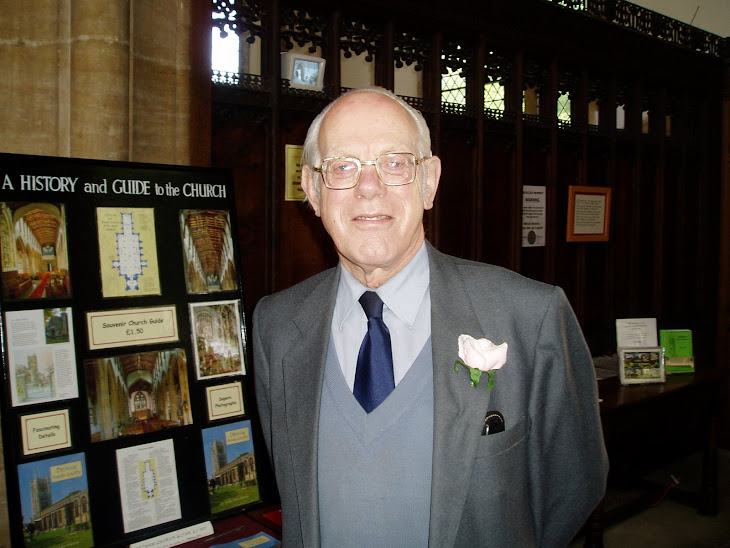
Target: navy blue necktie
{"points": [[374, 375]]}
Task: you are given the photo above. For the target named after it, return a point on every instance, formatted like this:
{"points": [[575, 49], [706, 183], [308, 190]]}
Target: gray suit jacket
{"points": [[532, 485]]}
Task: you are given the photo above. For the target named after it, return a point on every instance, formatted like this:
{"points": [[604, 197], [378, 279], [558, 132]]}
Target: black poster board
{"points": [[123, 332]]}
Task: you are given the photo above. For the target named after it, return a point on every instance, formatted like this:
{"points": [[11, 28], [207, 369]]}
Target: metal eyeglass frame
{"points": [[361, 163]]}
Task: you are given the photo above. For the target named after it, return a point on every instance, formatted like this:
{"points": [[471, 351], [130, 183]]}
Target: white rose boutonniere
{"points": [[480, 356]]}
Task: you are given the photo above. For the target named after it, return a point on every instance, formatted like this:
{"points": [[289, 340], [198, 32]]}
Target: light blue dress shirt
{"points": [[407, 313]]}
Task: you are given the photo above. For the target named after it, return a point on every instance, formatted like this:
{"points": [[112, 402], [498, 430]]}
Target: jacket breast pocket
{"points": [[494, 444]]}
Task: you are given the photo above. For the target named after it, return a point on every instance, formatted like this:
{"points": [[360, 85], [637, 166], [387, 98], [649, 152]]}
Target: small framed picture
{"points": [[589, 213], [640, 365]]}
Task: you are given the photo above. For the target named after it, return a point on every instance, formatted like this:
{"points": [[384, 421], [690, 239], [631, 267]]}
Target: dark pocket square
{"points": [[493, 423]]}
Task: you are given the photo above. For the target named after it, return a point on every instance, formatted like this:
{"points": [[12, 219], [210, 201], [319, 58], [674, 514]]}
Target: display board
{"points": [[126, 401]]}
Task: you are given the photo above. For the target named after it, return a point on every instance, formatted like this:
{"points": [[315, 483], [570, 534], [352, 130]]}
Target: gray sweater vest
{"points": [[374, 470]]}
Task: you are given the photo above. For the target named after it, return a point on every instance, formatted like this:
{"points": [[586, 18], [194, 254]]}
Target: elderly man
{"points": [[379, 433]]}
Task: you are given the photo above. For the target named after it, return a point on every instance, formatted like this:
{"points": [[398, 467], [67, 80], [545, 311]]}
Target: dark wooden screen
{"points": [[662, 259]]}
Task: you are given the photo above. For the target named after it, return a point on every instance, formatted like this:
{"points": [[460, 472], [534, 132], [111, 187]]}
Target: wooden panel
{"points": [[498, 169], [240, 142], [569, 263], [304, 246], [456, 207], [623, 236], [662, 256]]}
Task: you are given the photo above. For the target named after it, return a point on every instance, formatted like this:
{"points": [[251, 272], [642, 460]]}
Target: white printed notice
{"points": [[148, 485], [636, 332], [132, 326], [590, 214], [42, 357], [533, 216]]}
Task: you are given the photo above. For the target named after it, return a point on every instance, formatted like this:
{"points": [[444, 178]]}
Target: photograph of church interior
{"points": [[557, 95], [34, 250], [137, 393], [208, 244]]}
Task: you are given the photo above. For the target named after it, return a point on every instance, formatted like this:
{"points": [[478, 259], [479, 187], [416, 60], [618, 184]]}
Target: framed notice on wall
{"points": [[125, 339], [293, 173], [589, 213]]}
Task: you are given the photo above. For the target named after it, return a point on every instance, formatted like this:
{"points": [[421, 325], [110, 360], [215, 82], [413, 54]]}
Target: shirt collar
{"points": [[402, 294]]}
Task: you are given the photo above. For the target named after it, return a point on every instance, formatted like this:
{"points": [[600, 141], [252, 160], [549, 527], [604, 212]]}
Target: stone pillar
{"points": [[182, 375], [99, 40], [104, 387], [114, 80], [29, 62]]}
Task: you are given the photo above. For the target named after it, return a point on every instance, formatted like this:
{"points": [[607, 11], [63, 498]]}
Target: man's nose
{"points": [[370, 184]]}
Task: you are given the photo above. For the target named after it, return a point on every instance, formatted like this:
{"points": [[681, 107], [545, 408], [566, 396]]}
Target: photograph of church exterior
{"points": [[55, 502], [230, 466]]}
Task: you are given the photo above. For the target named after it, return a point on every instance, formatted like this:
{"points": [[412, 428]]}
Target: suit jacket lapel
{"points": [[459, 408], [303, 375]]}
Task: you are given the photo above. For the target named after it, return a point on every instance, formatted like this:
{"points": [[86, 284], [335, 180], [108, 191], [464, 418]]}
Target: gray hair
{"points": [[312, 156]]}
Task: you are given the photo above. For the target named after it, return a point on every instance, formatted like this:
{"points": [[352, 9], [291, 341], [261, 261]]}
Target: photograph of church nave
{"points": [[208, 250], [217, 335], [34, 250], [137, 393]]}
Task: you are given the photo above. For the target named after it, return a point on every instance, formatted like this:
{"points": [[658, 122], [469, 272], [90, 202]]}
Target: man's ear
{"points": [[309, 188], [432, 181]]}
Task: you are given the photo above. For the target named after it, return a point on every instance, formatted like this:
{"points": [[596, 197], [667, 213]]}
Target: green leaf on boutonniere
{"points": [[476, 374]]}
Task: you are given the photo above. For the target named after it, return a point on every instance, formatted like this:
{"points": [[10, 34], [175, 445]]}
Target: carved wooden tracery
{"points": [[241, 16], [301, 28], [411, 49], [358, 37], [534, 74], [497, 67]]}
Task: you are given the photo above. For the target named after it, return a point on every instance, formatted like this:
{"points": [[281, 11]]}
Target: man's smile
{"points": [[372, 217]]}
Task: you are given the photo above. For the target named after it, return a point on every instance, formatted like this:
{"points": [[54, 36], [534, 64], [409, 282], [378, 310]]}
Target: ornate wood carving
{"points": [[357, 37], [301, 28], [457, 57], [241, 16], [410, 49], [650, 23], [534, 74], [568, 81], [497, 67]]}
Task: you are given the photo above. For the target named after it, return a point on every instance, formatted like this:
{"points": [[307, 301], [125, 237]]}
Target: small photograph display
{"points": [[207, 244], [216, 332], [303, 71], [127, 251], [137, 393], [54, 498], [34, 251], [639, 365], [230, 466], [41, 355], [148, 485]]}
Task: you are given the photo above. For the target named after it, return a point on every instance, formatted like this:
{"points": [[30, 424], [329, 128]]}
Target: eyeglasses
{"points": [[394, 169]]}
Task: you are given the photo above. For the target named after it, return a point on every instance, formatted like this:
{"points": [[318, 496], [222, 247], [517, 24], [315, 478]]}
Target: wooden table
{"points": [[646, 425]]}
